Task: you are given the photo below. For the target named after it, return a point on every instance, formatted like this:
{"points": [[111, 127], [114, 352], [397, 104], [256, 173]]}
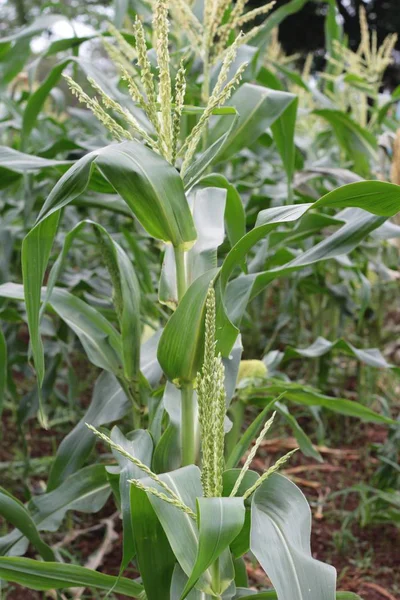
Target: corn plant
{"points": [[189, 513]]}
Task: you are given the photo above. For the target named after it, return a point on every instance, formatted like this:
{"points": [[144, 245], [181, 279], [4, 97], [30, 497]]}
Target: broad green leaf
{"points": [[100, 340], [181, 530], [180, 350], [13, 61], [36, 249], [152, 547], [220, 521], [36, 575], [139, 444], [280, 540], [167, 454], [208, 206], [126, 292], [149, 185], [14, 512], [151, 188], [39, 96], [85, 491], [235, 218], [3, 369], [358, 143], [179, 580], [377, 197], [109, 403], [302, 394], [272, 595], [369, 356], [258, 109], [283, 133], [21, 162], [241, 544]]}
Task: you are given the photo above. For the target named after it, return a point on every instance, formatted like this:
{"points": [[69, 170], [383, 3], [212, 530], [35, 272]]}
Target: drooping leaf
{"points": [[280, 540], [15, 513], [151, 188], [369, 356], [36, 575], [302, 394], [85, 491]]}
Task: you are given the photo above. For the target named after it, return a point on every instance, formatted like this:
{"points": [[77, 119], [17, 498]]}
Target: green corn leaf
{"points": [[22, 163], [85, 491], [272, 595], [241, 544], [39, 97], [208, 208], [283, 133], [302, 394], [100, 340], [139, 444], [36, 249], [280, 540], [220, 521], [258, 109], [109, 403], [369, 356], [13, 60], [181, 346], [181, 530], [235, 218], [14, 512], [377, 197], [359, 144], [43, 576], [167, 454], [151, 188], [126, 292], [152, 547]]}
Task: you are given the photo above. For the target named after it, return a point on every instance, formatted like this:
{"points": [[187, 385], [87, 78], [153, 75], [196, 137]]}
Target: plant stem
{"points": [[188, 442], [136, 415], [180, 272]]}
